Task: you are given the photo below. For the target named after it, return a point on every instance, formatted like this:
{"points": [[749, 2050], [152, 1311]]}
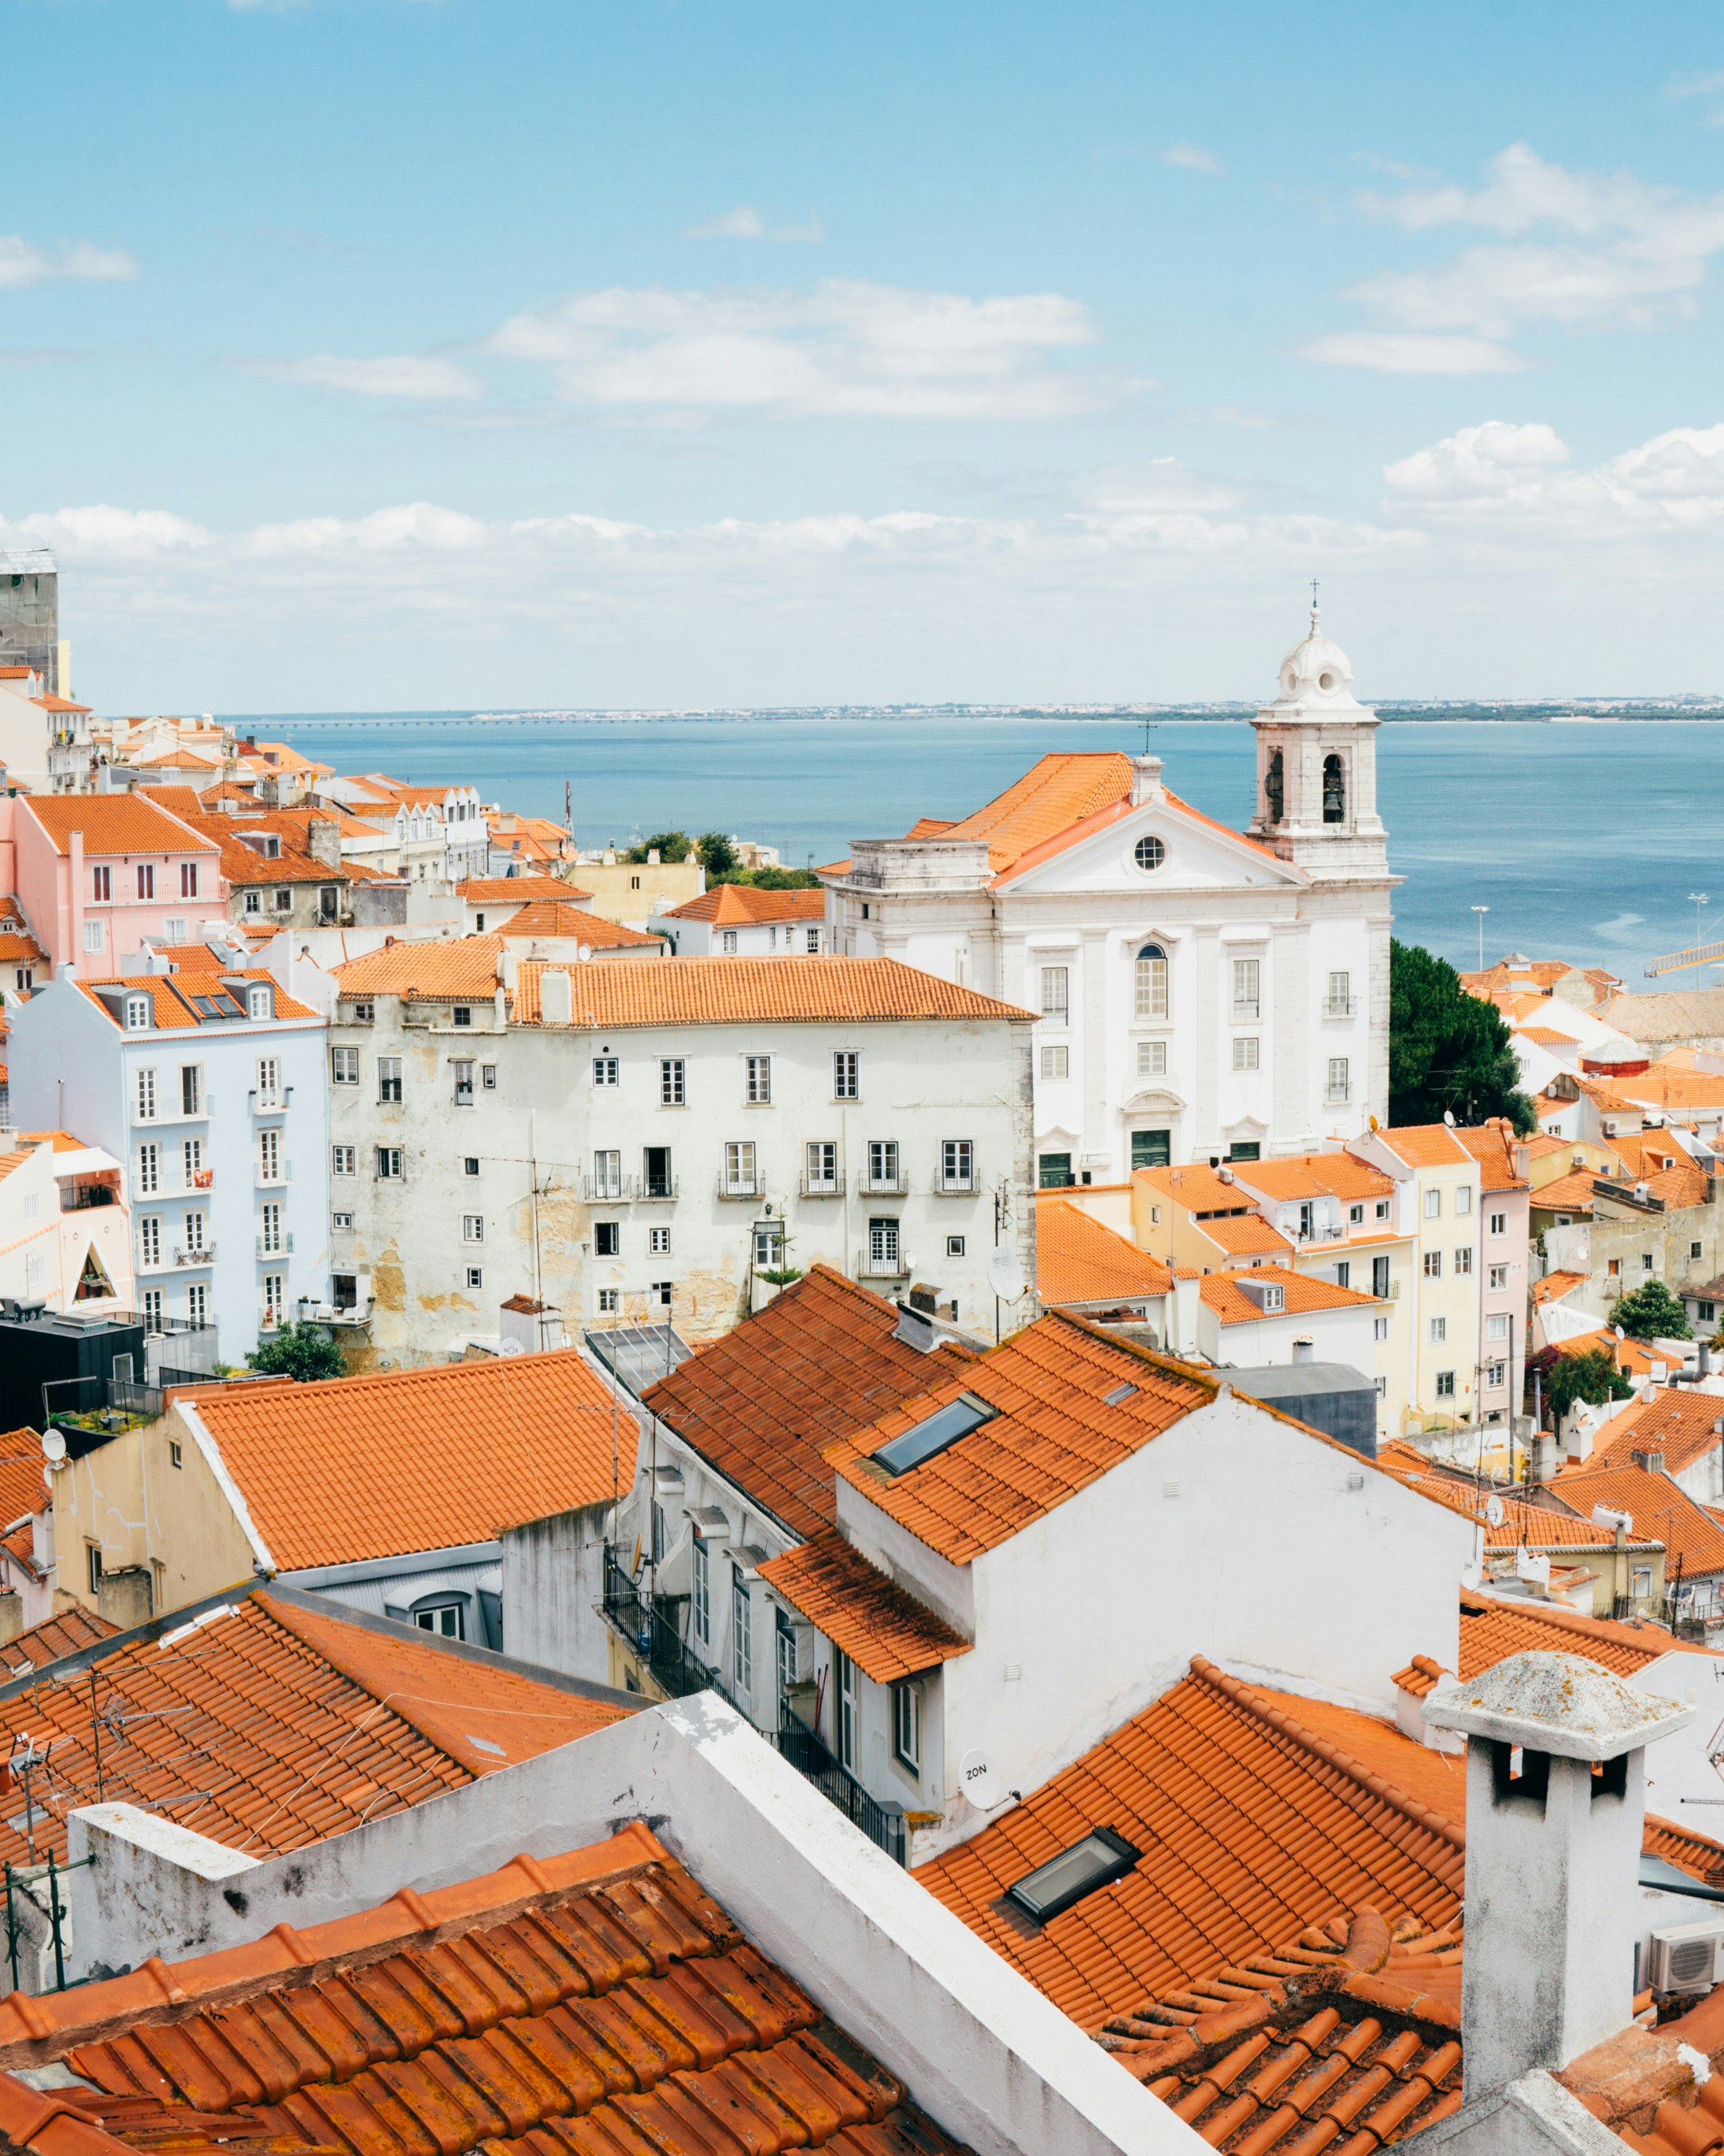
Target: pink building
{"points": [[98, 873]]}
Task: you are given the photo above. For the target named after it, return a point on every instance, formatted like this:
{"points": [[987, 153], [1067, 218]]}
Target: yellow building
{"points": [[631, 891]]}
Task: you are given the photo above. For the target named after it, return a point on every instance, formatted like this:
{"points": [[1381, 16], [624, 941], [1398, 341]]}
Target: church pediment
{"points": [[1156, 846], [1155, 1100]]}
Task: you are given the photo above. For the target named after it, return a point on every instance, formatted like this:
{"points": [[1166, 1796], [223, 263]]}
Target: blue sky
{"points": [[387, 353]]}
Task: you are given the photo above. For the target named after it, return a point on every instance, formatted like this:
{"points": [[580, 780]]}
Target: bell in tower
{"points": [[1317, 768]]}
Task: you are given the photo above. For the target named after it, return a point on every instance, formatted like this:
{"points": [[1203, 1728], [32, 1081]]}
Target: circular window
{"points": [[1150, 852], [1325, 682]]}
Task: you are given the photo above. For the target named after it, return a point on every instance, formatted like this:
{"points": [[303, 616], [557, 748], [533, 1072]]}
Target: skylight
{"points": [[1119, 1396], [946, 1426], [1097, 1860]]}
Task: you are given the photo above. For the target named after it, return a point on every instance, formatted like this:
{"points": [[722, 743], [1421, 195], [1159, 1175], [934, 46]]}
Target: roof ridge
{"points": [[1565, 1620], [1248, 1697]]}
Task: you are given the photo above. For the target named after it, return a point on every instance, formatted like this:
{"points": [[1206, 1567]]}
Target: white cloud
{"points": [[1193, 158], [846, 350], [743, 223], [102, 531], [1513, 477], [22, 264], [1392, 352], [1694, 85], [424, 381], [1483, 463]]}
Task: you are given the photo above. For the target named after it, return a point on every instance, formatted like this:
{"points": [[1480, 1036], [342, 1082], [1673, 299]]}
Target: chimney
{"points": [[557, 996], [1653, 1462], [1186, 1299], [1305, 1349], [1145, 780], [1552, 1857]]}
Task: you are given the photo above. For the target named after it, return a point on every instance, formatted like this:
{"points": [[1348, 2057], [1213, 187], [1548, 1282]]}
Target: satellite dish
{"points": [[979, 1779], [584, 952], [54, 1446], [1005, 1274], [509, 1347], [1620, 1334], [1494, 1514]]}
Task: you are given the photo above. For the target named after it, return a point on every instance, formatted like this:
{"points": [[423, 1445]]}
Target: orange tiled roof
{"points": [[1524, 1525], [879, 1624], [1542, 1036], [506, 890], [1634, 1359], [1426, 1145], [18, 947], [561, 918], [731, 905], [593, 2001], [1682, 1425], [763, 1402], [1315, 1175], [745, 991], [1245, 1234], [371, 1724], [1199, 1188], [1569, 1194], [1492, 1144], [112, 823], [1056, 793], [1692, 1536], [415, 1460], [62, 1634], [465, 969], [1491, 1629], [1301, 1293], [23, 1478], [170, 994], [1555, 1285], [1078, 1258], [176, 800], [1054, 1433]]}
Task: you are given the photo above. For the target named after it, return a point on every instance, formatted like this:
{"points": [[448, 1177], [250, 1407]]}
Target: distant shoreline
{"points": [[1452, 714]]}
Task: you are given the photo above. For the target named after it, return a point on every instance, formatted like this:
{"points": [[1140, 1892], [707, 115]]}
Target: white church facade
{"points": [[1202, 993]]}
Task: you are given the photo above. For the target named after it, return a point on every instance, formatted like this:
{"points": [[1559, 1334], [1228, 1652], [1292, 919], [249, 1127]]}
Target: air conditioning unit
{"points": [[1688, 1957]]}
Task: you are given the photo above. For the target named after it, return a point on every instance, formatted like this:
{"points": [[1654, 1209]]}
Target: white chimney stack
{"points": [[557, 996], [1145, 780], [1552, 1857]]}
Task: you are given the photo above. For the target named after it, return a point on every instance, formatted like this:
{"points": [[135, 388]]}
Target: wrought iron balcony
{"points": [[650, 1627], [823, 1186], [275, 1246], [740, 1186], [883, 1824]]}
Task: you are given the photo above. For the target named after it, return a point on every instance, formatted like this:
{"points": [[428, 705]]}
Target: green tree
{"points": [[1592, 1377], [1447, 1049], [772, 879], [668, 845], [1652, 1312], [718, 856], [303, 1352]]}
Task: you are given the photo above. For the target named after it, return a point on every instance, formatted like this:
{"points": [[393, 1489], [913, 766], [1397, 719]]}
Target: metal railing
{"points": [[82, 1195], [740, 1186], [883, 1824], [1339, 1007], [885, 1186], [823, 1186], [275, 1246], [654, 1190], [653, 1635], [204, 1254], [872, 1268]]}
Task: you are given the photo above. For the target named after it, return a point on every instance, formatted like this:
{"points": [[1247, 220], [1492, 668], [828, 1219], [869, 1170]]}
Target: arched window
{"points": [[1334, 790], [1152, 982], [1272, 791]]}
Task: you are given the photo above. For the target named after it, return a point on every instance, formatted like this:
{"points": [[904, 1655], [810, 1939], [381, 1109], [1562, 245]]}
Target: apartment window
{"points": [[1339, 1002], [1695, 1249], [954, 1246], [153, 1313], [703, 1593], [1380, 1328], [1705, 1312], [460, 1014], [1498, 1276], [1464, 1258], [1646, 1262], [190, 1088], [147, 879], [269, 1085], [656, 1165], [144, 1097], [284, 900], [269, 1242], [1440, 1330], [469, 1163], [146, 1176], [197, 1303], [1152, 1059], [609, 1300], [364, 1012], [1382, 1206], [1445, 1384], [883, 1245], [150, 1240], [340, 1220], [137, 1014], [1496, 1375], [1244, 1052], [741, 1634], [92, 1565], [1464, 1199], [1344, 1273], [672, 1091], [607, 1175], [957, 1164], [188, 878], [344, 1066], [813, 942], [1246, 975], [1056, 993], [388, 1164], [94, 936], [847, 1074], [388, 1077], [1054, 1170], [1339, 1086], [1613, 1267], [608, 1239], [464, 1084], [1433, 1205], [1433, 1265], [176, 928], [739, 1167], [254, 901], [1379, 1278], [768, 1247], [907, 1727], [1149, 978], [1496, 1324], [727, 943], [658, 1242], [1499, 1224], [883, 1164], [1380, 1387], [606, 1070], [758, 1080], [850, 1708], [268, 1156], [1056, 1062], [275, 1299], [472, 1227], [24, 979], [820, 1165], [344, 1160], [488, 1077], [101, 881]]}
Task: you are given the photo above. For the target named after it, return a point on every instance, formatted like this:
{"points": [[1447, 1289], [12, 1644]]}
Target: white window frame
{"points": [[1056, 1061], [957, 1164], [741, 1633], [847, 1074], [757, 1080], [344, 1160], [344, 1066], [740, 1177], [1152, 1059], [1056, 994], [1337, 1086], [907, 1728], [1247, 991], [607, 1070], [673, 1081], [473, 1227], [1246, 1047], [1149, 985]]}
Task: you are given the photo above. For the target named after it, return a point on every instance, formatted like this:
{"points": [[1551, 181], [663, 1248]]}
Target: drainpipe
{"points": [[74, 899]]}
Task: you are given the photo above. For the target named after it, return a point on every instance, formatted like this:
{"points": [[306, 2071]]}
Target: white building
{"points": [[211, 1088], [735, 921], [646, 1140], [65, 1228], [429, 832], [1202, 992]]}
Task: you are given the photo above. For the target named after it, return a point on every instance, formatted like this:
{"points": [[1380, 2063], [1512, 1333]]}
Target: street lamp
{"points": [[1697, 898], [1481, 910]]}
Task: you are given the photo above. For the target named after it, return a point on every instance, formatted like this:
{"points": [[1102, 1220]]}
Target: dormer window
{"points": [[1275, 1296], [259, 1002], [137, 1014], [1097, 1860]]}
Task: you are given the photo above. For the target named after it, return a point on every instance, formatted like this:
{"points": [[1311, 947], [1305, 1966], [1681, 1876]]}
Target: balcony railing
{"points": [[823, 1186], [883, 1824], [955, 1186], [1339, 1007], [275, 1246], [895, 1185], [871, 1267], [740, 1186], [79, 1197], [655, 1190], [648, 1627], [203, 1254]]}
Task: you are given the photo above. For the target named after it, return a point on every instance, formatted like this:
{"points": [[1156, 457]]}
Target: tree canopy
{"points": [[1652, 1312], [668, 845], [1567, 1379], [1447, 1049], [301, 1352]]}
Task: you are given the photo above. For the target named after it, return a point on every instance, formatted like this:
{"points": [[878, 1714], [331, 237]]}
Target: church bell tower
{"points": [[1316, 768]]}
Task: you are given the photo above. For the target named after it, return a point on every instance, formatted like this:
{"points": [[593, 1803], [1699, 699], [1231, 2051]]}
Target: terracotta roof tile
{"points": [[562, 917], [62, 1634], [1426, 1145], [1300, 1294], [1567, 1193], [1053, 1435], [1543, 1037], [879, 1624], [764, 1402], [743, 991], [1524, 1525], [508, 890], [415, 1460], [1080, 1260], [1692, 1535], [465, 969], [1492, 1145], [1493, 1629], [1315, 1175], [1554, 1287], [593, 2001], [1198, 1187], [112, 823], [176, 800], [740, 905], [1684, 1426], [170, 994], [268, 1727], [1056, 793], [1244, 1236]]}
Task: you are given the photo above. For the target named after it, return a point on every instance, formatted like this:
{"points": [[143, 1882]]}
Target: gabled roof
{"points": [[763, 1402], [1053, 1434], [197, 1718], [23, 1477], [1426, 1145], [1302, 1294], [1524, 1525], [1682, 1425], [736, 904], [1492, 1144], [1492, 1629], [882, 1627], [594, 2001], [1199, 1188], [1554, 1287], [746, 991], [505, 890], [416, 1460], [465, 969], [1244, 1236], [1078, 1258], [177, 800], [1693, 1536], [1315, 1175], [1057, 792], [112, 823], [1567, 1193], [62, 1634], [563, 918]]}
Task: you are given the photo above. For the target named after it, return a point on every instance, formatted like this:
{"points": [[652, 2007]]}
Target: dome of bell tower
{"points": [[1317, 672]]}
